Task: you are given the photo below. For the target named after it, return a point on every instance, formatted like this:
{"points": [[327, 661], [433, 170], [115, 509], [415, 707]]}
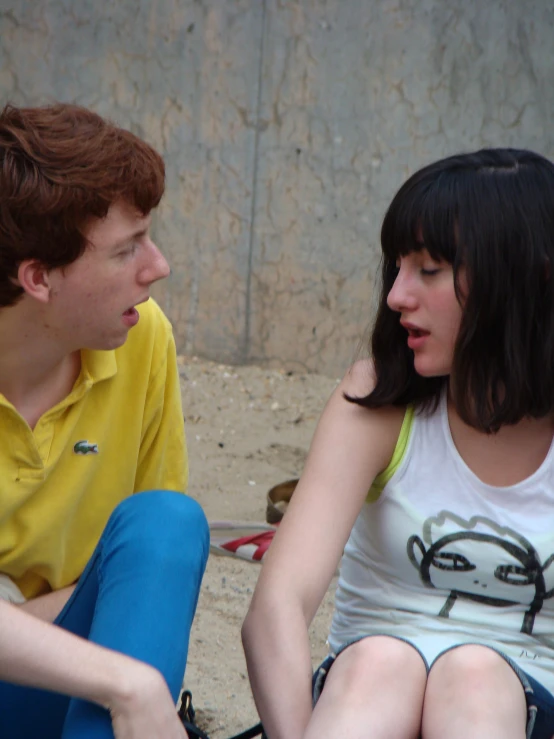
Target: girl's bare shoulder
{"points": [[359, 381], [360, 432]]}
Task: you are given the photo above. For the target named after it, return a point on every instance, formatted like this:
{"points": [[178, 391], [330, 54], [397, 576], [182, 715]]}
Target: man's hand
{"points": [[145, 709], [47, 657]]}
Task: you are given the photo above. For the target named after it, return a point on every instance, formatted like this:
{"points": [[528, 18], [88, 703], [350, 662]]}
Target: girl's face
{"points": [[424, 296]]}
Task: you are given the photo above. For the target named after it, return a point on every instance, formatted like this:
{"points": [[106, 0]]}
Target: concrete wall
{"points": [[286, 127]]}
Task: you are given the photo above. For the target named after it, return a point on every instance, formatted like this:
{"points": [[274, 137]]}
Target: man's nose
{"points": [[156, 267]]}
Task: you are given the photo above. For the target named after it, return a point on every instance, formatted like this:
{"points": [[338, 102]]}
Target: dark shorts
{"points": [[540, 701]]}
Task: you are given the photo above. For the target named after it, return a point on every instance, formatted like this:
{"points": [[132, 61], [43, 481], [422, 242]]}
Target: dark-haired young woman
{"points": [[432, 474]]}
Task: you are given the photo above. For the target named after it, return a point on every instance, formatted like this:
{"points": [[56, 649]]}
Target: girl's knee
{"points": [[474, 686], [471, 662], [473, 675], [378, 658]]}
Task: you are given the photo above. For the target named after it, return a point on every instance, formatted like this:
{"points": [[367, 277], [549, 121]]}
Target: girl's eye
{"points": [[429, 272]]}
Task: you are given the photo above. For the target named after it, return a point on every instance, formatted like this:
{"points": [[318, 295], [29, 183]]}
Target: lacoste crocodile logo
{"points": [[85, 447]]}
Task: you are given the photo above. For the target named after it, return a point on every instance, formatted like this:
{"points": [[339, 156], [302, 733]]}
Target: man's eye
{"points": [[129, 250]]}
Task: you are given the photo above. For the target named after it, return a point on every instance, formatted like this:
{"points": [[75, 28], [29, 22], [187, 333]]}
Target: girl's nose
{"points": [[401, 296]]}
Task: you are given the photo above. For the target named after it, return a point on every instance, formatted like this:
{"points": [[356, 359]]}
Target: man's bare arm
{"points": [[45, 656]]}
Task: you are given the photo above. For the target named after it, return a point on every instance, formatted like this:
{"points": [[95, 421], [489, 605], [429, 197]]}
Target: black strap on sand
{"points": [[187, 715]]}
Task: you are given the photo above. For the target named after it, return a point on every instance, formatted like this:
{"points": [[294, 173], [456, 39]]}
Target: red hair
{"points": [[60, 166]]}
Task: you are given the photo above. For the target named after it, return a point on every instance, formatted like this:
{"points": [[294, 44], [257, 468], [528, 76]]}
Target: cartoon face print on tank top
{"points": [[479, 561]]}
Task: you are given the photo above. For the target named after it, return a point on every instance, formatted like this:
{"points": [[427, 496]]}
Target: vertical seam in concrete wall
{"points": [[245, 350], [190, 334]]}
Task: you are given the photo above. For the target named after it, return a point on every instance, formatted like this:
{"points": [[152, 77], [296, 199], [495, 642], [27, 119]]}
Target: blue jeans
{"points": [[137, 595]]}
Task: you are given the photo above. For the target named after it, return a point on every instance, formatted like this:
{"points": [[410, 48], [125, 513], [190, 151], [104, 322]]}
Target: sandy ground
{"points": [[247, 429]]}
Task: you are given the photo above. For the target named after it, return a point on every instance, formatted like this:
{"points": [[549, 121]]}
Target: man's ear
{"points": [[34, 278]]}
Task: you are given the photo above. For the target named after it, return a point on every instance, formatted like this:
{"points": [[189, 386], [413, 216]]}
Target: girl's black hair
{"points": [[491, 212]]}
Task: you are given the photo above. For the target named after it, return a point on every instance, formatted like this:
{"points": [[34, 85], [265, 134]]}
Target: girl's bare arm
{"points": [[350, 447]]}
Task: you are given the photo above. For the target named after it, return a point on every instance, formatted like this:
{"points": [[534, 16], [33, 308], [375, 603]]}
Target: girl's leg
{"points": [[374, 689], [473, 692], [137, 595]]}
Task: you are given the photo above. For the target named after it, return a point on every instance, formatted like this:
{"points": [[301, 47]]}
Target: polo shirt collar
{"points": [[97, 365]]}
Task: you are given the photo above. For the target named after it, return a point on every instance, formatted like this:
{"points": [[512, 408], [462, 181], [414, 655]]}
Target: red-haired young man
{"points": [[96, 534]]}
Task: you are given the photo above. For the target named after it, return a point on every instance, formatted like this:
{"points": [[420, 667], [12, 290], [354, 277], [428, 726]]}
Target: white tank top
{"points": [[441, 558]]}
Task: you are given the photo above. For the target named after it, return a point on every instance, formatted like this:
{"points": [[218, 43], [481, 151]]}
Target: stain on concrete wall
{"points": [[286, 127]]}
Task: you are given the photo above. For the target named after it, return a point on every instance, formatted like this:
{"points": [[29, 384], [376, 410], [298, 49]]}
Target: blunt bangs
{"points": [[492, 213], [422, 215]]}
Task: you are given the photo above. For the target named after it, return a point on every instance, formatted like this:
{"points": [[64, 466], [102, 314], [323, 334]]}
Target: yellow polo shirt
{"points": [[118, 432]]}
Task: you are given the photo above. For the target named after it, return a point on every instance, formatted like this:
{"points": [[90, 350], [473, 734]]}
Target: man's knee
{"points": [[165, 522]]}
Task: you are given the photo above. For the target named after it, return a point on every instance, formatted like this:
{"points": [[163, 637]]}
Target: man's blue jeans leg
{"points": [[137, 595]]}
